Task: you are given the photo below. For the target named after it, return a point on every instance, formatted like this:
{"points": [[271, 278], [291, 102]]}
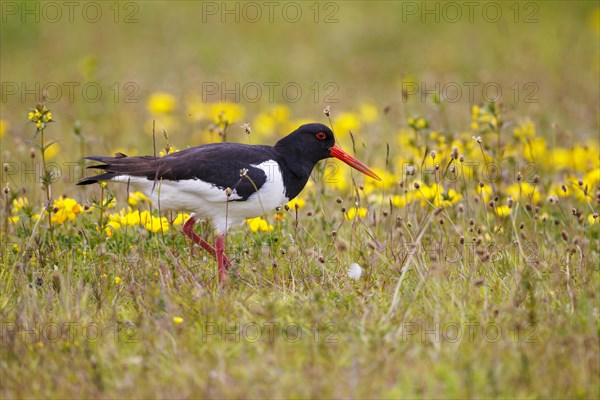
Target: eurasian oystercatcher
{"points": [[226, 182]]}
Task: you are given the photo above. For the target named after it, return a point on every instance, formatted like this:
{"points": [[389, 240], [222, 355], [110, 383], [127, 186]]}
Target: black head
{"points": [[311, 143]]}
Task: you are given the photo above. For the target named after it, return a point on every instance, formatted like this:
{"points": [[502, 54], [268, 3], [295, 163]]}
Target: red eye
{"points": [[321, 135]]}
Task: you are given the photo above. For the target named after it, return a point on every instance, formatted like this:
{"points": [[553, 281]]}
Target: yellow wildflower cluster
{"points": [[40, 116], [259, 224], [65, 208], [136, 198], [142, 218], [484, 118]]}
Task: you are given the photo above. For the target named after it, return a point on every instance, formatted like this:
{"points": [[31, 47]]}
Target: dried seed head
{"points": [[338, 200], [410, 170], [6, 189], [461, 158], [228, 191], [461, 208], [509, 202], [580, 182], [334, 233], [32, 152], [521, 225], [432, 153], [452, 168], [553, 199], [437, 166], [481, 184], [417, 185], [441, 221], [326, 111], [564, 235], [563, 188], [321, 259], [536, 179], [247, 128], [491, 203], [519, 177], [454, 153]]}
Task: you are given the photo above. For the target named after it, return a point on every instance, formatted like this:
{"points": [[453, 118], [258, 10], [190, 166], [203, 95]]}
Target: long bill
{"points": [[337, 152]]}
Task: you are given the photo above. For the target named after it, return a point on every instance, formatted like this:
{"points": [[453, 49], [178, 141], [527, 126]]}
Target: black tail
{"points": [[120, 165]]}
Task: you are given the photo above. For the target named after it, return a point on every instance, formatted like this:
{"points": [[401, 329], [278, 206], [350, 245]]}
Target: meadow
{"points": [[470, 270]]}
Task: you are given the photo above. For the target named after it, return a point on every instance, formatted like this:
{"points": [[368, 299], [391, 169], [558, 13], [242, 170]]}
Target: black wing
{"points": [[221, 164]]}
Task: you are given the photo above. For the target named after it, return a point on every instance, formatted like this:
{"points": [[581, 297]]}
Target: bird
{"points": [[226, 182]]}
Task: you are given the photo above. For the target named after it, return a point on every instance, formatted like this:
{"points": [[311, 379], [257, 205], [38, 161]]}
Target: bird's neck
{"points": [[297, 166]]}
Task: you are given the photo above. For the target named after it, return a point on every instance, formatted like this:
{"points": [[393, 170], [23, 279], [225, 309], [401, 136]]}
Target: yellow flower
{"points": [[180, 219], [4, 125], [259, 224], [152, 223], [226, 113], [421, 123], [336, 175], [592, 178], [177, 320], [65, 208], [525, 191], [447, 199], [117, 280], [196, 110], [525, 130], [52, 151], [19, 203], [368, 113], [474, 111], [14, 219], [263, 124], [403, 200], [345, 123], [298, 203], [485, 192], [356, 212], [502, 211], [131, 218], [111, 227], [137, 197], [162, 103], [388, 180]]}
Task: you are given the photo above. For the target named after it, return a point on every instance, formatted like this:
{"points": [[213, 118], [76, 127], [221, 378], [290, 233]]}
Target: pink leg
{"points": [[188, 230], [222, 260]]}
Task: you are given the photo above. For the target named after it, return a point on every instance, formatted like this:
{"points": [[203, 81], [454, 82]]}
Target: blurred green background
{"points": [[544, 56]]}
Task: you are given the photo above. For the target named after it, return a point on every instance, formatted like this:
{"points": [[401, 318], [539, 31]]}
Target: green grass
{"points": [[458, 298]]}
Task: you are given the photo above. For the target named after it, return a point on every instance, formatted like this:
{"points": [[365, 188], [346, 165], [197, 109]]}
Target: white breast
{"points": [[207, 200]]}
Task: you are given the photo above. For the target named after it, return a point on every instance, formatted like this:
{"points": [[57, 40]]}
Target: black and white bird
{"points": [[226, 182]]}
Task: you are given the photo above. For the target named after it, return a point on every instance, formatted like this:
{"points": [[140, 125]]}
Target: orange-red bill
{"points": [[337, 152]]}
